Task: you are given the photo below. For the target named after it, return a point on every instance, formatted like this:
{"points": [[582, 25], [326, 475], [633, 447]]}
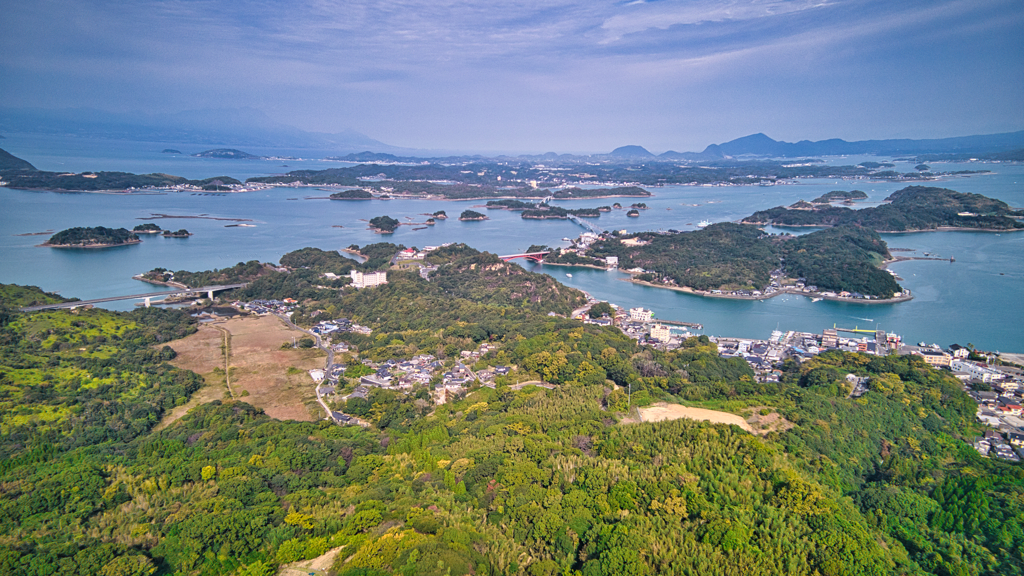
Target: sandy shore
{"points": [[661, 412]]}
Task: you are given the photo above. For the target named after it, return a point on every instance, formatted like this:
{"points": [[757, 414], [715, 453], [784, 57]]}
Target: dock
{"points": [[680, 323]]}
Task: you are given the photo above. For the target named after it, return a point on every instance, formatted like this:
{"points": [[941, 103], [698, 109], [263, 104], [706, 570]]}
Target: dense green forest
{"points": [[355, 194], [95, 236], [496, 481], [472, 215], [532, 482], [730, 256], [384, 223], [912, 208], [88, 181], [840, 195]]}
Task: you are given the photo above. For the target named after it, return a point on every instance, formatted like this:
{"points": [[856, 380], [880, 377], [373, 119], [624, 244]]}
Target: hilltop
{"points": [[9, 161]]}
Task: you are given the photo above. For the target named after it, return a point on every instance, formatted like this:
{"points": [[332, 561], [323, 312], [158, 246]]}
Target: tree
{"points": [[601, 309]]}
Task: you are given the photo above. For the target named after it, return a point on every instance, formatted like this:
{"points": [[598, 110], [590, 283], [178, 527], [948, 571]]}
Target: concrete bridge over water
{"points": [[208, 290]]}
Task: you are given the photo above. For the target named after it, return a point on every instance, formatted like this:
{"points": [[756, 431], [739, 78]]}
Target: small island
{"points": [[384, 225], [170, 151], [178, 234], [545, 212], [147, 228], [633, 213], [355, 194], [97, 237], [471, 216], [840, 196], [440, 215], [227, 153]]}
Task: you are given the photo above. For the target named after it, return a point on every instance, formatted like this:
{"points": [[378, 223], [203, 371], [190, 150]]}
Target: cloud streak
{"points": [[442, 73]]}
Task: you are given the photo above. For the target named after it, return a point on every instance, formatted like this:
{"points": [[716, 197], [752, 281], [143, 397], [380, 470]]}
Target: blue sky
{"points": [[532, 75]]}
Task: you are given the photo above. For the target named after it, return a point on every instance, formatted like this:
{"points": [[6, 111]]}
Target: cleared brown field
{"points": [[261, 372]]}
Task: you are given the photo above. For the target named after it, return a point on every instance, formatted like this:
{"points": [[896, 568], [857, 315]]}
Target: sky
{"points": [[535, 75]]}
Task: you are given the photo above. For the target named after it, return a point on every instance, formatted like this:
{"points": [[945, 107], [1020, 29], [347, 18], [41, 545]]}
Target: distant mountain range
{"points": [[761, 145], [241, 127]]}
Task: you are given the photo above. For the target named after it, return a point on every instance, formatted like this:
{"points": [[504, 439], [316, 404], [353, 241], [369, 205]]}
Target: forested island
{"points": [[227, 153], [728, 257], [182, 233], [501, 480], [147, 228], [95, 237], [911, 209], [471, 215], [384, 224], [355, 194], [840, 195]]}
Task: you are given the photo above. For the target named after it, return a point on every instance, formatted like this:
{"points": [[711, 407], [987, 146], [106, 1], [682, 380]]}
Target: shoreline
{"points": [[705, 294], [576, 265], [128, 243], [914, 231], [171, 283]]}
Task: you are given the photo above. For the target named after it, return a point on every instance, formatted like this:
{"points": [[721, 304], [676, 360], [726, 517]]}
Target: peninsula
{"points": [[733, 260]]}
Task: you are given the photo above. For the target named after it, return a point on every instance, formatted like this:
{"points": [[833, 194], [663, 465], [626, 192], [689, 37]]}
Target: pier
{"points": [[679, 323]]}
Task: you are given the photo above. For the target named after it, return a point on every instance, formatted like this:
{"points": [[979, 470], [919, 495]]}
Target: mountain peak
{"points": [[631, 151]]}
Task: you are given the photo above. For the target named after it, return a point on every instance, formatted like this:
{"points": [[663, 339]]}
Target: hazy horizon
{"points": [[533, 77]]}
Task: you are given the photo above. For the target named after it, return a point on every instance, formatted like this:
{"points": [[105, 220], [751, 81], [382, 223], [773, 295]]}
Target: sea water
{"points": [[976, 299]]}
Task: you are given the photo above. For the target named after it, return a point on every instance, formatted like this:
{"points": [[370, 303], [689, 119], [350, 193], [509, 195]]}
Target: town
{"points": [[995, 387]]}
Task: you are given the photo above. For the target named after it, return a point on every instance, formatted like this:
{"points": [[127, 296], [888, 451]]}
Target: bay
{"points": [[976, 299]]}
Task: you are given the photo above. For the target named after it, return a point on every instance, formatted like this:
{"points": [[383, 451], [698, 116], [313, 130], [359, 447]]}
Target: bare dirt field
{"points": [[319, 565], [260, 371], [661, 411]]}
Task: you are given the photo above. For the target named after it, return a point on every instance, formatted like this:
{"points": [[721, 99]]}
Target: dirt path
{"points": [[319, 565], [226, 350]]}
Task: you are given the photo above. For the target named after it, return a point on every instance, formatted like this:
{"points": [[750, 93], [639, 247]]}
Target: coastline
{"points": [[915, 230], [171, 283], [545, 262], [706, 294], [128, 243]]}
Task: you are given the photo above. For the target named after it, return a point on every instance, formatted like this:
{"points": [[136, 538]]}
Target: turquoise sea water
{"points": [[976, 299]]}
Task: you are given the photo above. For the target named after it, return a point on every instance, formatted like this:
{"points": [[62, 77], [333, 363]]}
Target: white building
{"points": [[661, 333], [640, 314], [977, 371], [612, 261], [360, 280]]}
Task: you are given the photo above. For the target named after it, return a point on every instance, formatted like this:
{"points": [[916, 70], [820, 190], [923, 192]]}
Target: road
{"points": [[330, 361]]}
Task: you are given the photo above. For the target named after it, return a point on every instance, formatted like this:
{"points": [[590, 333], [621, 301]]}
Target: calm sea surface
{"points": [[977, 299]]}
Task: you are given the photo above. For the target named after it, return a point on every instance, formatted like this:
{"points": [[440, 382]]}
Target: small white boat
{"points": [[815, 299], [703, 224], [568, 275]]}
